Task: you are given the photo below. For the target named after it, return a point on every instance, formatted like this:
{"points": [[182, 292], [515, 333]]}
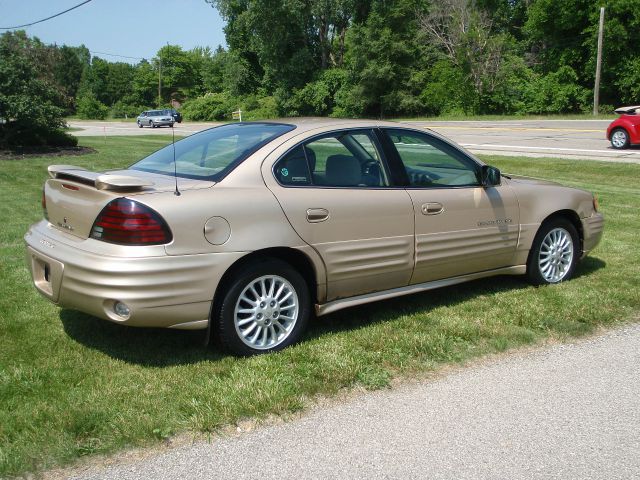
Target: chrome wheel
{"points": [[619, 139], [266, 312], [556, 255]]}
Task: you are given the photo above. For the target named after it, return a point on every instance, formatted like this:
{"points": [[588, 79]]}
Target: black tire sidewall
{"points": [[533, 269], [222, 319]]}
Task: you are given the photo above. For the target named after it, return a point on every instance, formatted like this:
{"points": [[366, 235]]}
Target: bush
{"points": [[90, 108], [219, 107], [629, 83], [123, 109], [318, 97], [259, 108], [29, 115], [17, 135], [556, 92], [210, 107]]}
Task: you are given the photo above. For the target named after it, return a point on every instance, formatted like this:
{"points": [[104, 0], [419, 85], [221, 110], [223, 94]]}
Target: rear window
{"points": [[212, 154]]}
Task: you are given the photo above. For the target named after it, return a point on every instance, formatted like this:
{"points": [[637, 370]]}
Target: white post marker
{"points": [[237, 115]]}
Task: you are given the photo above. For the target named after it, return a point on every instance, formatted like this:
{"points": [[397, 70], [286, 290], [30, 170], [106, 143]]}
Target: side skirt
{"points": [[336, 305]]}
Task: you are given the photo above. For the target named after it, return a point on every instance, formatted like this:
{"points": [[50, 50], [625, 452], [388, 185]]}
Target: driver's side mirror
{"points": [[490, 176]]}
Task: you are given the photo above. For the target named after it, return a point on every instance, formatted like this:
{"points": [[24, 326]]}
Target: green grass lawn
{"points": [[72, 385]]}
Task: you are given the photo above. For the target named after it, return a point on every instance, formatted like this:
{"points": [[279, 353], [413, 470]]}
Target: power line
{"points": [[45, 19], [115, 55]]}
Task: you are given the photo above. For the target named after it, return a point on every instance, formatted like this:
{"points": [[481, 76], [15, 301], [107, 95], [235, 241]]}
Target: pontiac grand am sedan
{"points": [[246, 229]]}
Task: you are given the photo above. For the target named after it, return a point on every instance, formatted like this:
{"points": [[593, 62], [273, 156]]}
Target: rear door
{"points": [[334, 189], [460, 226]]}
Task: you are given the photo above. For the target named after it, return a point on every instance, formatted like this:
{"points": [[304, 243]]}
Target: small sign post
{"points": [[237, 115]]}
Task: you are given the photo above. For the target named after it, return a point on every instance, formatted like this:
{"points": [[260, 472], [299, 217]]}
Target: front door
{"points": [[461, 227], [334, 189]]}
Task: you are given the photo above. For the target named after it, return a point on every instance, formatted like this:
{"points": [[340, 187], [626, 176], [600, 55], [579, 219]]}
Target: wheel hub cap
{"points": [[556, 255], [266, 312], [619, 139]]}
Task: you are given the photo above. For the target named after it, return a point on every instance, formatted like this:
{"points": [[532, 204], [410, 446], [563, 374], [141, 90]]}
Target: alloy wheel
{"points": [[266, 312], [556, 255]]}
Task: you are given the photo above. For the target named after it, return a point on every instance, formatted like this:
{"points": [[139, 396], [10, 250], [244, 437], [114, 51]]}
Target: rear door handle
{"points": [[432, 208], [316, 215]]}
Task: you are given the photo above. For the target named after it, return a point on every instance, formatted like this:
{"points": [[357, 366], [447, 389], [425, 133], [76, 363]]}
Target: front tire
{"points": [[139, 124], [620, 139], [265, 308], [554, 253]]}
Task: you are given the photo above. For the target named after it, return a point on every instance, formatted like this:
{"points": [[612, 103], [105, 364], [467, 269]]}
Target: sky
{"points": [[133, 28]]}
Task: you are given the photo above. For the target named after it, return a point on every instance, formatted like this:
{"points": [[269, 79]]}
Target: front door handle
{"points": [[432, 208], [316, 215]]}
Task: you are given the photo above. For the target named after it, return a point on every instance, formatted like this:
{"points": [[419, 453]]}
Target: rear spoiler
{"points": [[627, 110], [101, 181]]}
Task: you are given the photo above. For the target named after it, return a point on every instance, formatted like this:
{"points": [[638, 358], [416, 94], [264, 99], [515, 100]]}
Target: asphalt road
{"points": [[577, 139], [569, 411]]}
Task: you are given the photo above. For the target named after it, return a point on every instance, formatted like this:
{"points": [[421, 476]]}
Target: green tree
{"points": [[144, 84], [29, 101], [68, 68], [382, 56], [179, 72]]}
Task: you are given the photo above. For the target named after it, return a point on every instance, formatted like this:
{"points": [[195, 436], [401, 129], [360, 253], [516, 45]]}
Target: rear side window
{"points": [[293, 168]]}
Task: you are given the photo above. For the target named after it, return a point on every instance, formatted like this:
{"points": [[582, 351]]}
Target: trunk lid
{"points": [[75, 196]]}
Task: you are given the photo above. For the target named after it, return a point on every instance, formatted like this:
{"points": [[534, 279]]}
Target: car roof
{"points": [[303, 124]]}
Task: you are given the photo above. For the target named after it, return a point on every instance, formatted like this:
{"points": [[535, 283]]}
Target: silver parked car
{"points": [[155, 118]]}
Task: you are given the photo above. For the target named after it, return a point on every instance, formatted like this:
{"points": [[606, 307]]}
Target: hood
{"points": [[529, 180]]}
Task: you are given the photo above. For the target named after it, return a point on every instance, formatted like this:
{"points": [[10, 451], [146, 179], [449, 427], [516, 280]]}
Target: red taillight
{"points": [[127, 222]]}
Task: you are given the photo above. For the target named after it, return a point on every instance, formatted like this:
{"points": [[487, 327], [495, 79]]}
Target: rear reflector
{"points": [[127, 222]]}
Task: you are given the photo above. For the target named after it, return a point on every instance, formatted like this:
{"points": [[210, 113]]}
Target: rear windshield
{"points": [[211, 154]]}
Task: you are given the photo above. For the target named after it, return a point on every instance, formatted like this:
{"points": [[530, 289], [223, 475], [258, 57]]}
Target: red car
{"points": [[625, 130]]}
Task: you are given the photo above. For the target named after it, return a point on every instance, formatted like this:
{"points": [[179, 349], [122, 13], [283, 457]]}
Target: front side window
{"points": [[342, 159], [430, 162], [211, 154]]}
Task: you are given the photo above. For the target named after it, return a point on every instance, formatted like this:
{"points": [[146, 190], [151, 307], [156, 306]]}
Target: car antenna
{"points": [[175, 167]]}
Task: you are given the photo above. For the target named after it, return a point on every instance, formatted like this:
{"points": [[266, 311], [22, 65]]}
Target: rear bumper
{"points": [[592, 228], [160, 291]]}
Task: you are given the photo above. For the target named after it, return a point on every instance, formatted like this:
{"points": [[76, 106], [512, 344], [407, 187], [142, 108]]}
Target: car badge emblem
{"points": [[64, 224]]}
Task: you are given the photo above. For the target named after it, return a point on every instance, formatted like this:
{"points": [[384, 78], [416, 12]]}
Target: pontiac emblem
{"points": [[65, 225]]}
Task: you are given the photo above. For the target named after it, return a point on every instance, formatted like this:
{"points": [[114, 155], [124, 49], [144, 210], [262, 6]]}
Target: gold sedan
{"points": [[248, 229]]}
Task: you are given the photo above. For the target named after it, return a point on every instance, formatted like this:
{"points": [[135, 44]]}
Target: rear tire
{"points": [[554, 254], [620, 139], [265, 307]]}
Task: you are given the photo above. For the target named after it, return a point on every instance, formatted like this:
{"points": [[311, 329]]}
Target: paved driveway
{"points": [[563, 412]]}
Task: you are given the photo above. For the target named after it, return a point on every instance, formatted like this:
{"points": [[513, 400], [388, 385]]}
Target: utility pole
{"points": [[159, 81], [596, 90]]}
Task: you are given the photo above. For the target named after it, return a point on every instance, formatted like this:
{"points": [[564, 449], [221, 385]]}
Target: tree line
{"points": [[353, 58]]}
